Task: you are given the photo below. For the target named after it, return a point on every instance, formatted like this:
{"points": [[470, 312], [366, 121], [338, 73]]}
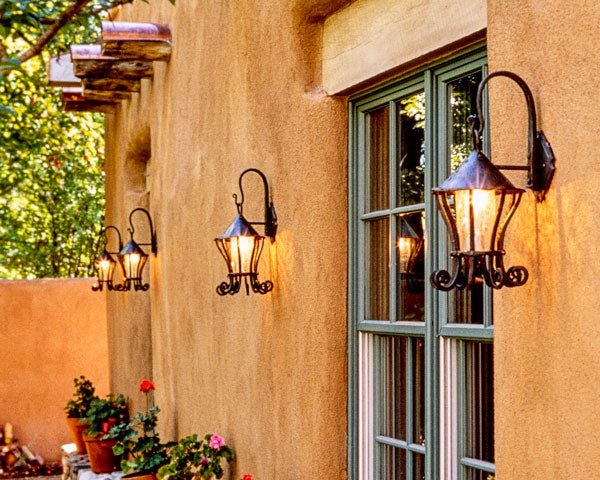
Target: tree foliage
{"points": [[51, 162]]}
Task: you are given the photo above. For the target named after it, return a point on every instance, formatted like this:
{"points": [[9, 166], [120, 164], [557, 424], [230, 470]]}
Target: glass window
{"points": [[406, 137]]}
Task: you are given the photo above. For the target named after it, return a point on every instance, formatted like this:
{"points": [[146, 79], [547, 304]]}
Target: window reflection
{"points": [[411, 267], [411, 161]]}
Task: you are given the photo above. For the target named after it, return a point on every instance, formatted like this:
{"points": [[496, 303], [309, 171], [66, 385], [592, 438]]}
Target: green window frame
{"points": [[443, 320]]}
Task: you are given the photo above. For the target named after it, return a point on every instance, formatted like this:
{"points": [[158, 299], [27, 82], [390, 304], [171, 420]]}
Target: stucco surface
{"points": [[53, 330], [242, 89], [546, 348], [371, 38]]}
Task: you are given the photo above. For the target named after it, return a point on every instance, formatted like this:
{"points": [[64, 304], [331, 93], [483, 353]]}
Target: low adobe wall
{"points": [[52, 331]]}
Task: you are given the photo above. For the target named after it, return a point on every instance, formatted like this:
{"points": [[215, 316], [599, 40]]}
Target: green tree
{"points": [[51, 161]]}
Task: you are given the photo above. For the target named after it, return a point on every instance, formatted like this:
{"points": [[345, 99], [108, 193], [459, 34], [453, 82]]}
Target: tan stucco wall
{"points": [[371, 38], [547, 332], [52, 331], [242, 89]]}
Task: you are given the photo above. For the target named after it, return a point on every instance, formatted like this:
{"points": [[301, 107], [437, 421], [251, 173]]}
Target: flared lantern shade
{"points": [[477, 202], [241, 247], [132, 259], [104, 264]]}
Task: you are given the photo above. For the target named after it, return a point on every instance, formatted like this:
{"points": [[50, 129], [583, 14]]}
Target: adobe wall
{"points": [[268, 373], [53, 330], [546, 350]]}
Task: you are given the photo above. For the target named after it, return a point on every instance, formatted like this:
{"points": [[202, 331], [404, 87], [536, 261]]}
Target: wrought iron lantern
{"points": [[410, 253], [105, 264], [133, 259], [241, 245], [477, 202]]}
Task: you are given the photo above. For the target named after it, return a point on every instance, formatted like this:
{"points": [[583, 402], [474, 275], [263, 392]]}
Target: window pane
{"points": [[467, 305], [411, 267], [379, 165], [393, 463], [462, 94], [392, 393], [411, 158], [379, 270], [479, 397], [419, 466], [419, 391]]}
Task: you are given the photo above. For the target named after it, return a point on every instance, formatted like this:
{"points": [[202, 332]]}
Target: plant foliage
{"points": [[83, 396], [104, 414]]}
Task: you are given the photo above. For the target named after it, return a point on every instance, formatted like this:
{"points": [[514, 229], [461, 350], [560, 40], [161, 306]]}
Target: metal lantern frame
{"points": [[410, 233], [107, 277], [229, 242], [132, 248], [478, 172]]}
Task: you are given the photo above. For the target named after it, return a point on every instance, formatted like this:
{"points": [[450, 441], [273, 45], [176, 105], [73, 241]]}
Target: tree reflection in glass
{"points": [[411, 161]]}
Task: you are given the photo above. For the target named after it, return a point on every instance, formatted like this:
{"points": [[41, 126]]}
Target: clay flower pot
{"points": [[77, 430], [100, 453]]}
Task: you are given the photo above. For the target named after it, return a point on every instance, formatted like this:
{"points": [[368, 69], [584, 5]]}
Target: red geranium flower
{"points": [[248, 476], [146, 386]]}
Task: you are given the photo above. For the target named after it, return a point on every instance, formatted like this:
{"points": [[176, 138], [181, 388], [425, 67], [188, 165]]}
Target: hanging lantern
{"points": [[241, 246], [104, 264], [410, 252], [133, 259], [477, 202]]}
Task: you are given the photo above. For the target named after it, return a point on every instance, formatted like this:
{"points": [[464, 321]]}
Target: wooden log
{"points": [[74, 101], [89, 106], [88, 61], [139, 41], [105, 95], [112, 84], [60, 72]]}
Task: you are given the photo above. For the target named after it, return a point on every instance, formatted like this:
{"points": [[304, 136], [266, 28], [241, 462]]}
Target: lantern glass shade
{"points": [[477, 202], [241, 247], [105, 266], [132, 259]]}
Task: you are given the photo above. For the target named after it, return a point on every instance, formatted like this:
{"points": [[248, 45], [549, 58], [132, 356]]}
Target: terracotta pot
{"points": [[100, 453], [77, 430]]}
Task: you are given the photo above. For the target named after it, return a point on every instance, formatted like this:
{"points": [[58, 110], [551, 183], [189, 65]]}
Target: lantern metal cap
{"points": [[104, 256], [477, 171], [240, 227], [132, 248]]}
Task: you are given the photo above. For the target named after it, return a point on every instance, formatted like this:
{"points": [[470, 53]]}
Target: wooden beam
{"points": [[74, 101], [88, 61], [112, 84], [105, 95], [60, 72], [139, 41]]}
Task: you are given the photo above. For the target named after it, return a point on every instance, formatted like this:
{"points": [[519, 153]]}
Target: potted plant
{"points": [[101, 417], [77, 409], [139, 443], [191, 459]]}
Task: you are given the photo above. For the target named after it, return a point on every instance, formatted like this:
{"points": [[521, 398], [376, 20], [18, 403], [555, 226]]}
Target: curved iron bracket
{"points": [[540, 157], [131, 230], [270, 222]]}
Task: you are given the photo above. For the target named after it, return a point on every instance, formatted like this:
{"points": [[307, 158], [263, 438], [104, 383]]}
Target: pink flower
{"points": [[216, 442], [248, 476], [204, 461]]}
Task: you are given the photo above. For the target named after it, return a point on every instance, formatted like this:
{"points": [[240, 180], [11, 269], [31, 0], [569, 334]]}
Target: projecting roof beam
{"points": [[74, 101], [137, 41], [88, 61]]}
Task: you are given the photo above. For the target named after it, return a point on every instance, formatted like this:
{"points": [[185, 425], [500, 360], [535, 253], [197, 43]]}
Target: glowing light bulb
{"points": [[406, 249], [483, 203], [132, 262]]}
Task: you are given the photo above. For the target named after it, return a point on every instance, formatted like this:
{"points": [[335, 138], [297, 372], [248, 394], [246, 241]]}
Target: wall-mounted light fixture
{"points": [[477, 202], [241, 245], [410, 252], [132, 259], [105, 264]]}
